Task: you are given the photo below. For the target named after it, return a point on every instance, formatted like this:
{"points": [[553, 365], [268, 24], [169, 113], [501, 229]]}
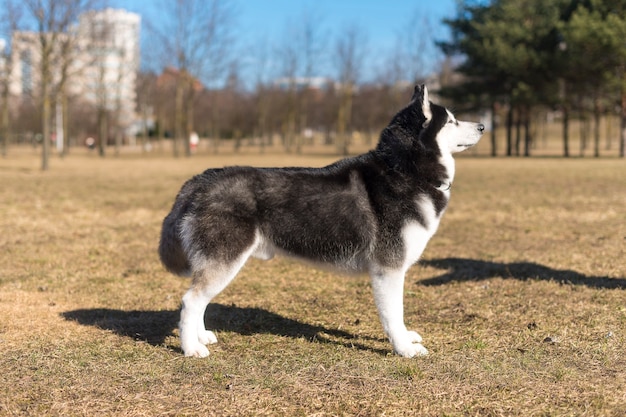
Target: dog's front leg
{"points": [[388, 288]]}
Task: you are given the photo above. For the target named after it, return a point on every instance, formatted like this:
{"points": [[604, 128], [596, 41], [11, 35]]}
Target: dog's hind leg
{"points": [[207, 283], [388, 288]]}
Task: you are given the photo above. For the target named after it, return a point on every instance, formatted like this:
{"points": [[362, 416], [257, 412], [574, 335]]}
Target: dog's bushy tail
{"points": [[171, 250]]}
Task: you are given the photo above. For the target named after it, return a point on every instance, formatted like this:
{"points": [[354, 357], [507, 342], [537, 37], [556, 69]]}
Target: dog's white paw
{"points": [[414, 337], [411, 350], [409, 345], [207, 337], [198, 350]]}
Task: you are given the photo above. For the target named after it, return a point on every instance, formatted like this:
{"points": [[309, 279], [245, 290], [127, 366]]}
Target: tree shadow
{"points": [[154, 327], [460, 269]]}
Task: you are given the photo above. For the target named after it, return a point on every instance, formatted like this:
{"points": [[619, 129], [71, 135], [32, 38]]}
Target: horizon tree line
{"points": [[515, 59]]}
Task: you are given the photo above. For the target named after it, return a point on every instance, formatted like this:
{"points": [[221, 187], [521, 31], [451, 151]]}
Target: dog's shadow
{"points": [[460, 269], [155, 327]]}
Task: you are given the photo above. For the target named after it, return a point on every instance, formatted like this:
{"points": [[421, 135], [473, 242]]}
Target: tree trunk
{"points": [[145, 140], [302, 110], [290, 120], [45, 118], [119, 134], [527, 133], [103, 131], [608, 116], [494, 107], [262, 120], [622, 133], [509, 131], [178, 117], [5, 126], [188, 119], [566, 131], [596, 128], [118, 138], [58, 124], [584, 126], [161, 127], [343, 118], [518, 132], [66, 123]]}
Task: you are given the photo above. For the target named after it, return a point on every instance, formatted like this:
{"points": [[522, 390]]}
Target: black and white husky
{"points": [[372, 213]]}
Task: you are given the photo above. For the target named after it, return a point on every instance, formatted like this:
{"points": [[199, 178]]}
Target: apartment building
{"points": [[98, 57]]}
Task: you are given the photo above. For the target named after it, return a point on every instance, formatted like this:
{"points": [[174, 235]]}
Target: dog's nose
{"points": [[481, 127]]}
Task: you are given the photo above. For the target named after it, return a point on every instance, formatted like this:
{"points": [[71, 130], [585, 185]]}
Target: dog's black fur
{"points": [[327, 215]]}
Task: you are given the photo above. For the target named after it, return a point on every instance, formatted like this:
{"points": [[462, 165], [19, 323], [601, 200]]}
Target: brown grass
{"points": [[520, 298]]}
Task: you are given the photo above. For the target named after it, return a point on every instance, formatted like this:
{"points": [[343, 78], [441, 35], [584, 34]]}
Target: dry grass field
{"points": [[520, 297]]}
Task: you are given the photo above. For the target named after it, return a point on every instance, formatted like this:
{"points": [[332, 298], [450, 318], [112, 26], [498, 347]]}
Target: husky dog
{"points": [[373, 214]]}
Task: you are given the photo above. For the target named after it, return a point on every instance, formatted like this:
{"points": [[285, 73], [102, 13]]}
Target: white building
{"points": [[111, 40], [104, 61], [25, 58]]}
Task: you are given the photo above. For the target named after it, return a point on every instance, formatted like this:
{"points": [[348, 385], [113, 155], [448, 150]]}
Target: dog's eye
{"points": [[451, 121]]}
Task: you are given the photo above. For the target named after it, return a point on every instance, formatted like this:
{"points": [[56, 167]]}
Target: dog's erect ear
{"points": [[420, 95]]}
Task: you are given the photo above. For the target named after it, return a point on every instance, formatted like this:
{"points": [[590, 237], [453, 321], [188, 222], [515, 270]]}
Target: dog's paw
{"points": [[207, 337], [198, 350], [410, 345], [414, 337], [411, 350]]}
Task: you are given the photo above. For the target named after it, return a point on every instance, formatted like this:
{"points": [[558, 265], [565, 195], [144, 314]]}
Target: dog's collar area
{"points": [[443, 186]]}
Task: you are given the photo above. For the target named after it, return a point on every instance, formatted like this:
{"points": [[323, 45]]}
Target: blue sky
{"points": [[381, 20]]}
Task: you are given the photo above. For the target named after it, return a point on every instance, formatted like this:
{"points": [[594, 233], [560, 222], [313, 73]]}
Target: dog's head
{"points": [[450, 134]]}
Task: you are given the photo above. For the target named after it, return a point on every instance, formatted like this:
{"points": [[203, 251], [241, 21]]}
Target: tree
{"points": [[349, 55], [290, 62], [146, 99], [411, 61], [52, 23], [263, 93], [594, 57], [310, 42], [10, 22], [417, 44], [299, 56], [507, 48], [195, 37]]}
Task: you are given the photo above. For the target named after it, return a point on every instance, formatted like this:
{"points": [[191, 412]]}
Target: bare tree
{"points": [[65, 64], [289, 59], [52, 21], [195, 37], [300, 55], [411, 59], [111, 36], [10, 22], [348, 57], [261, 56], [311, 43], [146, 102], [419, 47], [102, 85]]}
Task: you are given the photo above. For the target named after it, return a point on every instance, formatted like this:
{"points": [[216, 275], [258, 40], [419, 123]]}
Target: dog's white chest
{"points": [[417, 234]]}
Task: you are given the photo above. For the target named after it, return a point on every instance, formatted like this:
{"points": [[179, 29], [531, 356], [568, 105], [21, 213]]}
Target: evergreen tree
{"points": [[524, 53]]}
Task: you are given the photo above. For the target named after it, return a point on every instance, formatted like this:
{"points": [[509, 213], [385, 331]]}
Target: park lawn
{"points": [[520, 298]]}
